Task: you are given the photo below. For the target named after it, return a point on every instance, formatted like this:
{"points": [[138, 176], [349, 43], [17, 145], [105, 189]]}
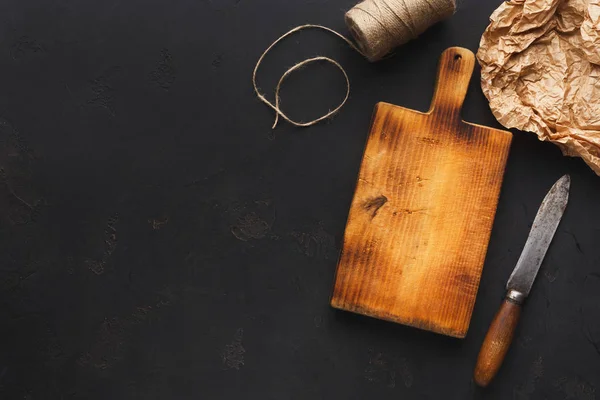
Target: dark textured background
{"points": [[159, 241]]}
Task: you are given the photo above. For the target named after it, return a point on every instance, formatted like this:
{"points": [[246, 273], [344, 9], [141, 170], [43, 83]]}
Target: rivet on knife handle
{"points": [[501, 332]]}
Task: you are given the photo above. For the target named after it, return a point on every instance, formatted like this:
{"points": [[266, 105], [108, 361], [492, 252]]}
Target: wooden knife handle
{"points": [[497, 341]]}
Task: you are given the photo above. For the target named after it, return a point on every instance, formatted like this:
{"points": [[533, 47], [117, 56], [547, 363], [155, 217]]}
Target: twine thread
{"points": [[378, 26]]}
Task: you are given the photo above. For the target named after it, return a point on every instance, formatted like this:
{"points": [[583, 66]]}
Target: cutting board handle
{"points": [[454, 73]]}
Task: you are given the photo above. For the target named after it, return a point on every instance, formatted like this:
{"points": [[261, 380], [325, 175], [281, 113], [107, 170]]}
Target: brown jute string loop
{"points": [[378, 26], [275, 107]]}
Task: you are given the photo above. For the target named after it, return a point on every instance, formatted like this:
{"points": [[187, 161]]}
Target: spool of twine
{"points": [[378, 26]]}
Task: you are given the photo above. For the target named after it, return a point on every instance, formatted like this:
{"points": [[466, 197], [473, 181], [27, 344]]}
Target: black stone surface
{"points": [[159, 241]]}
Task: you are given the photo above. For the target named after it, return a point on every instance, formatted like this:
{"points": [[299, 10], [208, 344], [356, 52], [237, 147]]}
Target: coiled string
{"points": [[275, 107], [378, 26]]}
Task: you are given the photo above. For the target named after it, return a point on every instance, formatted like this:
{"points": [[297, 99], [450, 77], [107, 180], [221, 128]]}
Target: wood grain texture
{"points": [[496, 342], [422, 213]]}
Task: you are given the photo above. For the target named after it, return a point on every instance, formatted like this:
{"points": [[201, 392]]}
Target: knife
{"points": [[502, 329]]}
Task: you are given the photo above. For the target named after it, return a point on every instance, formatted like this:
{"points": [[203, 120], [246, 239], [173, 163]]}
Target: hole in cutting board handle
{"points": [[454, 73]]}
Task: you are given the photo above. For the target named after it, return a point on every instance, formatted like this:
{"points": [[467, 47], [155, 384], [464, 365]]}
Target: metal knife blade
{"points": [[501, 331], [544, 226]]}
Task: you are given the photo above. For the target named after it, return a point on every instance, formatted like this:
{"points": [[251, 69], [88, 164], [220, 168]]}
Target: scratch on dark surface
{"points": [[296, 282], [206, 179], [10, 281], [13, 281], [17, 141], [103, 91], [115, 332], [575, 388], [383, 369], [551, 275], [524, 206], [589, 338], [53, 352], [191, 262], [164, 73], [25, 45], [233, 355], [577, 245], [589, 320], [374, 204], [536, 371], [216, 62], [379, 370], [250, 226], [20, 212], [251, 220], [525, 341], [318, 321], [158, 223], [19, 202], [110, 243], [316, 243], [109, 348]]}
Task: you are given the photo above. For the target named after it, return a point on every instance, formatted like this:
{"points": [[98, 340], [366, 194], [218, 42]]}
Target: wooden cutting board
{"points": [[422, 213]]}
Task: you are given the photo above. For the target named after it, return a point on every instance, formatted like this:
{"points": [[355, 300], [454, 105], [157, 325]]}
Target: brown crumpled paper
{"points": [[540, 63]]}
